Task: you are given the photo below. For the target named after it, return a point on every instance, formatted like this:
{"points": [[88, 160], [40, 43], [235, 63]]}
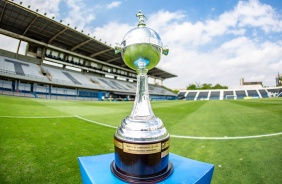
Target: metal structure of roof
{"points": [[24, 22]]}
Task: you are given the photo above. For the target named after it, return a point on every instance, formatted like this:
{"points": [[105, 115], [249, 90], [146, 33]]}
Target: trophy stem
{"points": [[142, 109]]}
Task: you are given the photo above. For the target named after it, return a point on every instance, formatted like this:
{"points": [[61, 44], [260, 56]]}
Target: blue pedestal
{"points": [[96, 169]]}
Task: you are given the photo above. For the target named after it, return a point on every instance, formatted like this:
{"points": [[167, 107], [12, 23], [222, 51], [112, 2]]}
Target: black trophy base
{"points": [[142, 179]]}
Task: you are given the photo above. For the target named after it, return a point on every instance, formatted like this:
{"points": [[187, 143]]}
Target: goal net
{"points": [[231, 97]]}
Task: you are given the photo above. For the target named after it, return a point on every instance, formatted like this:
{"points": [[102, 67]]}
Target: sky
{"points": [[210, 41]]}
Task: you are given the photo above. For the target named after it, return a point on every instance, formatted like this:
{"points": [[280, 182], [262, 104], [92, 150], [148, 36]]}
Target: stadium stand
{"points": [[203, 95], [117, 85], [227, 94], [241, 94], [158, 90], [63, 91], [191, 95], [253, 93], [41, 88], [214, 95], [28, 79], [222, 94], [4, 84], [275, 92], [102, 73], [263, 93], [7, 66], [181, 95], [60, 76], [53, 82], [20, 69], [24, 87]]}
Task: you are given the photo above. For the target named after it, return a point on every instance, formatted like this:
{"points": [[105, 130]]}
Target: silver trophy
{"points": [[141, 142]]}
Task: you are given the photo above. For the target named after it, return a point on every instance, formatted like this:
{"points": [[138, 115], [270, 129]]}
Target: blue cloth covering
{"points": [[96, 169]]}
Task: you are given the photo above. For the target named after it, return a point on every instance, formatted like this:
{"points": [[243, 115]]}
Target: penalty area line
{"points": [[193, 137], [36, 117], [226, 137], [173, 136], [95, 122]]}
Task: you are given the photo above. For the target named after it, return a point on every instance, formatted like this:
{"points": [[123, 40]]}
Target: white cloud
{"points": [[114, 4], [112, 32], [79, 14], [162, 18], [49, 7], [256, 14]]}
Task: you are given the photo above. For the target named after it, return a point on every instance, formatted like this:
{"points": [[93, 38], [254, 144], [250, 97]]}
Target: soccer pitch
{"points": [[40, 140]]}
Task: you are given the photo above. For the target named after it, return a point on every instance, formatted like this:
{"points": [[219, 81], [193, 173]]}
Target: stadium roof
{"points": [[25, 22]]}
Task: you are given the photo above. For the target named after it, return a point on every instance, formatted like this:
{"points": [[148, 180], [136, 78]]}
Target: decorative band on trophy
{"points": [[143, 148]]}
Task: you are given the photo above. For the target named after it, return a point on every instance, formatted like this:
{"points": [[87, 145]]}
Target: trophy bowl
{"points": [[149, 55], [141, 43], [141, 141]]}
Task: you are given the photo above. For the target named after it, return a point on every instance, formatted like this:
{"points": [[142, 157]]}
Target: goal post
{"points": [[231, 97]]}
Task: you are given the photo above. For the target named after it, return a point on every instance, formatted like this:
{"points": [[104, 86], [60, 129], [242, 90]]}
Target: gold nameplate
{"points": [[165, 145], [118, 144], [164, 153], [142, 148]]}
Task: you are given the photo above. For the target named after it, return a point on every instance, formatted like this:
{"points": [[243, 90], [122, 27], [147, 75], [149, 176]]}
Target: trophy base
{"points": [[142, 179]]}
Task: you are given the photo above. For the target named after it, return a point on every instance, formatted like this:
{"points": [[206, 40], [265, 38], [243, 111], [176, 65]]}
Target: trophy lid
{"points": [[141, 35]]}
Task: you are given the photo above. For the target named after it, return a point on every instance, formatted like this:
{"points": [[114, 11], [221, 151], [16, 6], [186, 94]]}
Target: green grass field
{"points": [[34, 149]]}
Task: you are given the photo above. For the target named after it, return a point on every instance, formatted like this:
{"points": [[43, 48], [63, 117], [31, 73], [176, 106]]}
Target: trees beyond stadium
{"points": [[198, 86]]}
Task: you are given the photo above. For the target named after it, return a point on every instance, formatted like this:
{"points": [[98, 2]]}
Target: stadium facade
{"points": [[240, 92], [246, 90], [82, 67], [85, 68]]}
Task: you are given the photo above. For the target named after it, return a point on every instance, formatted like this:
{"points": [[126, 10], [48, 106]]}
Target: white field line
{"points": [[91, 121], [174, 136], [36, 117], [226, 137], [195, 137]]}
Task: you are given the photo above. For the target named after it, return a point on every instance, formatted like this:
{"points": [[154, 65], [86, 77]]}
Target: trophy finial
{"points": [[141, 19]]}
